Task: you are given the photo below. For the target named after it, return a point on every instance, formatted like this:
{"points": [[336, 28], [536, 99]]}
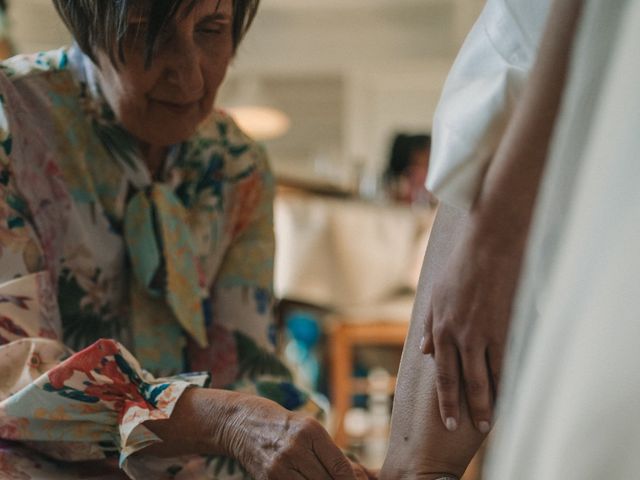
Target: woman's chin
{"points": [[166, 134], [163, 125]]}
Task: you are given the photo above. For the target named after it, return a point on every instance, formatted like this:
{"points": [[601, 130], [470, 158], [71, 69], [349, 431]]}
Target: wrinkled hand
{"points": [[273, 443], [466, 325]]}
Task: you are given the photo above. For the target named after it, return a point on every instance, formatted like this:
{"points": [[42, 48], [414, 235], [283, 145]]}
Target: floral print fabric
{"points": [[113, 284]]}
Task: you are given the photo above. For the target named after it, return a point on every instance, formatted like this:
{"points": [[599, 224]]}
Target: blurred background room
{"points": [[342, 93]]}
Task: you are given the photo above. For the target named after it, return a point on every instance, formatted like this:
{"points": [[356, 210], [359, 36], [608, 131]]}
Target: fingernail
{"points": [[484, 427], [451, 424], [423, 343]]}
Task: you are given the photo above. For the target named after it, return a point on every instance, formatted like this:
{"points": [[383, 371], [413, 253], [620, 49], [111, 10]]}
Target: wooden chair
{"points": [[346, 333]]}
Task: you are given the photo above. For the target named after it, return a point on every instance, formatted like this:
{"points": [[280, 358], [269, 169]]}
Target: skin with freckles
{"points": [[420, 447]]}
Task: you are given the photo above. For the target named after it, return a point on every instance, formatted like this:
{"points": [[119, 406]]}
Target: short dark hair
{"points": [[403, 147], [102, 24]]}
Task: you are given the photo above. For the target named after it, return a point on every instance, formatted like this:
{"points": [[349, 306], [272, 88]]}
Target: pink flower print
{"points": [[246, 201], [122, 394], [202, 276], [220, 357], [9, 470], [48, 333], [12, 428], [85, 361]]}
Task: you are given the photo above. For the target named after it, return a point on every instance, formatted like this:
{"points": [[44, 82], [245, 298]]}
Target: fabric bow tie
{"points": [[163, 256]]}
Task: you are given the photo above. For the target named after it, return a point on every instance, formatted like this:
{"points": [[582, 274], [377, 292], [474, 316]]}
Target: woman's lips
{"points": [[177, 107]]}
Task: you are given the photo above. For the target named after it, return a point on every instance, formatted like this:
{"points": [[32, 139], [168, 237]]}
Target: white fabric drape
{"points": [[479, 95], [572, 387]]}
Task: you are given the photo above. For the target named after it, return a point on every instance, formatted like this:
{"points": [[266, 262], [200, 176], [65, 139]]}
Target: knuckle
{"points": [[340, 468], [448, 318], [481, 413], [446, 381], [307, 429], [476, 386], [271, 471], [468, 347], [309, 426], [448, 406], [470, 337], [440, 333]]}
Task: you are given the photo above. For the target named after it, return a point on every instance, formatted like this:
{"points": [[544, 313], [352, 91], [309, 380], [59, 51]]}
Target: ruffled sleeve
{"points": [[479, 96]]}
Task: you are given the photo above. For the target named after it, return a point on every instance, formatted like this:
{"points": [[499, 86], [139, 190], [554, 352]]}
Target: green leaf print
{"points": [[256, 361], [82, 326]]}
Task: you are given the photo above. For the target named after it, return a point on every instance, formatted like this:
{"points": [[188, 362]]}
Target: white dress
{"points": [[576, 330], [571, 389]]}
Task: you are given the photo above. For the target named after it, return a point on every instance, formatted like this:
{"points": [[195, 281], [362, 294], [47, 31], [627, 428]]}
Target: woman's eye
{"points": [[209, 30]]}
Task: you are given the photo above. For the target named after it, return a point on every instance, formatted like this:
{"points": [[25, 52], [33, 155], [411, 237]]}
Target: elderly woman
{"points": [[136, 230]]}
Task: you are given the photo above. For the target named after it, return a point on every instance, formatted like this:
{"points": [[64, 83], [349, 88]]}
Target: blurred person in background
{"points": [[407, 169]]}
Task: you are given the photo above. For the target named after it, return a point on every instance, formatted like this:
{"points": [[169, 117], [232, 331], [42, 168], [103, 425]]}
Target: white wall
{"points": [[35, 25], [392, 57]]}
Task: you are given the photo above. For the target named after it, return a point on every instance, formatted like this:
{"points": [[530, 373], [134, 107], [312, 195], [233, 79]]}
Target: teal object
{"points": [[304, 332], [303, 327]]}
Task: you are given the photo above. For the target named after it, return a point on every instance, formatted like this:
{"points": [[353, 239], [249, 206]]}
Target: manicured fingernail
{"points": [[451, 424], [484, 427], [423, 343]]}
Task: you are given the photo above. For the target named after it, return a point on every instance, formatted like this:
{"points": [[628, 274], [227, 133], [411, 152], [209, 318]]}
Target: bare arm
{"points": [[471, 303], [420, 446]]}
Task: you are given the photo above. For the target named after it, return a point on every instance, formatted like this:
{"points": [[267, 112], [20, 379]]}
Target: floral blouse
{"points": [[114, 284]]}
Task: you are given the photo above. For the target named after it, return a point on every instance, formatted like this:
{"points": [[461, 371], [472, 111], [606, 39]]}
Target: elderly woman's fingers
{"points": [[312, 454], [288, 474], [477, 386], [310, 466], [278, 444], [333, 460], [448, 384]]}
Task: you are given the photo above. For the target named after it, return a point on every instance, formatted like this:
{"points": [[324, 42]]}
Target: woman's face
{"points": [[163, 104]]}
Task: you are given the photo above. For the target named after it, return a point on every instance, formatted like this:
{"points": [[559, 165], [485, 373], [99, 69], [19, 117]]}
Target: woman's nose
{"points": [[184, 69]]}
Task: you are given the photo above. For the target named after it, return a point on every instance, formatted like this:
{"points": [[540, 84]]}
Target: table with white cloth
{"points": [[343, 254]]}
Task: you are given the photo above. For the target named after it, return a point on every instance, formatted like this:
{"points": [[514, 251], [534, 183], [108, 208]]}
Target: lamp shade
{"points": [[255, 113]]}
